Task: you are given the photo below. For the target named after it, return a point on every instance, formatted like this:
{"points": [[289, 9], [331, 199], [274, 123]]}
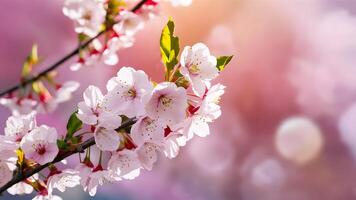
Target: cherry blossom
{"points": [[210, 107], [107, 140], [124, 164], [149, 10], [208, 111], [18, 126], [128, 92], [19, 106], [129, 23], [62, 180], [129, 126], [92, 112], [172, 145], [109, 55], [40, 144], [147, 130], [198, 66], [20, 189], [65, 90], [62, 94], [147, 155], [92, 178], [88, 15], [167, 103]]}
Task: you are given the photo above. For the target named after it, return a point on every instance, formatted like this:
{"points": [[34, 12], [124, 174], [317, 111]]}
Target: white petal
{"points": [[92, 97], [107, 140]]}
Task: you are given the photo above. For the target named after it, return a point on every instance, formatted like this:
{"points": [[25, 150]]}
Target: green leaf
{"points": [[169, 45], [223, 61], [73, 125], [62, 144]]}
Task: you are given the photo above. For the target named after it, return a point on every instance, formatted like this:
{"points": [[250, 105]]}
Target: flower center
{"points": [[194, 69], [165, 101], [41, 149], [87, 16], [216, 100], [131, 93]]}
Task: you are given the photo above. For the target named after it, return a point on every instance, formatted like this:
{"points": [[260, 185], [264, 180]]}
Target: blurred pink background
{"points": [[292, 58]]}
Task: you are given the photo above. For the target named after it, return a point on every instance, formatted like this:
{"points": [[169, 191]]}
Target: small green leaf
{"points": [[169, 45], [73, 125], [223, 61], [62, 144]]}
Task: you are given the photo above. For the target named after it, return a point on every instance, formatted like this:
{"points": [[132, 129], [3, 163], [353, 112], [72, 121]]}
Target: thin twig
{"points": [[63, 60]]}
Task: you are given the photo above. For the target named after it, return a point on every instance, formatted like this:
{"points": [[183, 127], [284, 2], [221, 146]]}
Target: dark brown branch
{"points": [[79, 149], [63, 60]]}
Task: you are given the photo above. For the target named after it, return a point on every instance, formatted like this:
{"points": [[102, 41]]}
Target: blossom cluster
{"points": [[114, 19], [119, 132], [166, 115], [119, 23]]}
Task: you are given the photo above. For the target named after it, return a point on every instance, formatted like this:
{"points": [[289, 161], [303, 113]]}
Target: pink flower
{"points": [[129, 23], [91, 178], [124, 164], [147, 130], [19, 106], [40, 144], [18, 126], [167, 103], [128, 92], [91, 110], [199, 67], [88, 15]]}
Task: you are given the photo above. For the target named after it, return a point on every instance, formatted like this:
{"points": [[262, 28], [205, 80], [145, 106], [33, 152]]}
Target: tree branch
{"points": [[79, 149], [63, 60]]}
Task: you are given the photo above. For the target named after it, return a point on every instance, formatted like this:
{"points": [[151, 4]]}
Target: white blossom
{"points": [[124, 164], [147, 130], [107, 140], [40, 144], [198, 66], [18, 106], [91, 111], [129, 23], [88, 15], [208, 111], [64, 91], [18, 126], [128, 92], [20, 189], [147, 155], [167, 103], [109, 55], [23, 187], [66, 178], [91, 178]]}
